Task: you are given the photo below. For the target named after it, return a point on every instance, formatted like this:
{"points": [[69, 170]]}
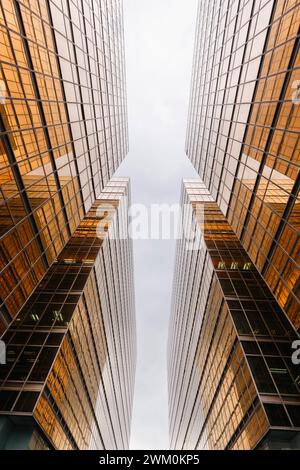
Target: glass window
{"points": [[269, 349], [26, 402], [24, 364], [250, 347], [241, 323], [277, 415], [294, 412], [43, 365], [257, 323], [55, 339], [227, 287], [20, 338], [261, 375], [273, 324], [281, 375], [7, 399], [38, 339]]}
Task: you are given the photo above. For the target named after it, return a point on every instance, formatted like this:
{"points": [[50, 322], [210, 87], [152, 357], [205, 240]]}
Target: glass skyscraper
{"points": [[71, 352], [243, 133], [63, 127], [232, 382], [236, 299], [67, 313]]}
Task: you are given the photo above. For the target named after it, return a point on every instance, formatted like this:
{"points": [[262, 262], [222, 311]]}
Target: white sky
{"points": [[159, 36]]}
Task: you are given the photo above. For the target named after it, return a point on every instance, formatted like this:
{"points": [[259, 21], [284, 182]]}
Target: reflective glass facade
{"points": [[232, 382], [63, 130], [71, 352], [243, 133]]}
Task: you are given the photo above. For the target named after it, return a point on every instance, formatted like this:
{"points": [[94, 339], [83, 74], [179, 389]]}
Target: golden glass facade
{"points": [[63, 130], [232, 383], [243, 134], [68, 383]]}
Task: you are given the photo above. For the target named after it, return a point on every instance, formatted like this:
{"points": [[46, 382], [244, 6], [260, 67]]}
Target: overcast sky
{"points": [[159, 37]]}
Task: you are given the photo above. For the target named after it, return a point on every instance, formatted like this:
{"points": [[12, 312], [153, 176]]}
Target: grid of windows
{"points": [[231, 377], [243, 132], [63, 130], [71, 351]]}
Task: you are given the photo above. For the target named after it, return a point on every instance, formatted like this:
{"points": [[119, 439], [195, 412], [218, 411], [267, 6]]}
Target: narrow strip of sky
{"points": [[159, 37]]}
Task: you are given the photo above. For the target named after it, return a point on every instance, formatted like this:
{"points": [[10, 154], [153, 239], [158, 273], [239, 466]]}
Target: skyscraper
{"points": [[67, 313], [63, 128], [243, 134], [236, 300], [232, 382], [68, 382]]}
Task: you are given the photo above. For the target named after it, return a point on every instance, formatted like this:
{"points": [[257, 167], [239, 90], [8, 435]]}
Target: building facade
{"points": [[243, 133], [67, 313], [232, 382], [71, 352], [63, 130]]}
